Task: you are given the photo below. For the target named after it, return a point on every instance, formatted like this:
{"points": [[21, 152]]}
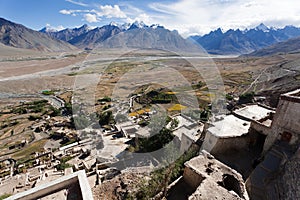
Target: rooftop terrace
{"points": [[229, 126], [253, 112]]}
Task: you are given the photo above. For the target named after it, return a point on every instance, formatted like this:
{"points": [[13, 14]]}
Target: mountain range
{"points": [[17, 35], [290, 46], [135, 35], [66, 34], [151, 37], [258, 41], [243, 42]]}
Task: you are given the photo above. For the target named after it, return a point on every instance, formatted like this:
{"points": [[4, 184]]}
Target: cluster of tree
{"points": [[63, 163], [81, 119], [68, 109], [105, 118], [105, 99], [155, 142], [157, 97], [162, 97], [199, 114], [48, 92], [35, 107], [161, 178], [38, 106], [229, 97], [174, 123], [34, 117], [246, 97]]}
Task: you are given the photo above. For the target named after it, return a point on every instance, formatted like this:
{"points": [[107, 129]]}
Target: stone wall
{"points": [[212, 179], [227, 144], [186, 142], [192, 178], [286, 119], [261, 128], [288, 184]]}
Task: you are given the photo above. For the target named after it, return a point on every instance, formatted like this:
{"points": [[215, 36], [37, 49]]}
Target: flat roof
{"points": [[182, 120], [68, 146], [293, 96], [178, 132], [57, 185], [190, 133], [295, 93], [253, 112], [229, 126]]}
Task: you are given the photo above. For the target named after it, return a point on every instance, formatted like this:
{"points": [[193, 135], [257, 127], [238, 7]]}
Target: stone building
{"points": [[284, 124], [227, 132], [231, 140], [276, 175], [207, 178], [230, 132], [187, 132], [72, 186]]}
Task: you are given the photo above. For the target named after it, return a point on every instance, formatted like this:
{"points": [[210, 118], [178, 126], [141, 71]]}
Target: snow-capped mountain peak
{"points": [[139, 24], [50, 29], [262, 27], [155, 26], [114, 24], [125, 26]]}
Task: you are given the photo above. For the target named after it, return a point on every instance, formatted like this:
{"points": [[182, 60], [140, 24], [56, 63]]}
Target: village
{"points": [[251, 141]]}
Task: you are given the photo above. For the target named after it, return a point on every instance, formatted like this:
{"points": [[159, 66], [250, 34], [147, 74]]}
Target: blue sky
{"points": [[186, 16]]}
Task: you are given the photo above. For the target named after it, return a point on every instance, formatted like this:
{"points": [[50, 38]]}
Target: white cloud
{"points": [[75, 12], [191, 16], [66, 12], [199, 16], [77, 3], [102, 11], [91, 18], [109, 11], [140, 18]]}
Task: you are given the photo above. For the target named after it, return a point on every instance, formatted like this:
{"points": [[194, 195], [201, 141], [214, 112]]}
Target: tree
{"points": [[229, 97], [246, 97], [105, 99], [155, 142], [105, 118], [171, 154], [174, 123], [161, 178]]}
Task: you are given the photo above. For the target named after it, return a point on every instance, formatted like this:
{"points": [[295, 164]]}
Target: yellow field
{"points": [[176, 107]]}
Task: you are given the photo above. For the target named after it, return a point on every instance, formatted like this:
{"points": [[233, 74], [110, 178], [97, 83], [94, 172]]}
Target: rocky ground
{"points": [[119, 187]]}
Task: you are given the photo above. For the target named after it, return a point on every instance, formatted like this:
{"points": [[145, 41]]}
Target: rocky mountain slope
{"points": [[17, 35], [151, 38], [242, 42], [93, 37], [135, 35], [66, 34], [289, 46]]}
